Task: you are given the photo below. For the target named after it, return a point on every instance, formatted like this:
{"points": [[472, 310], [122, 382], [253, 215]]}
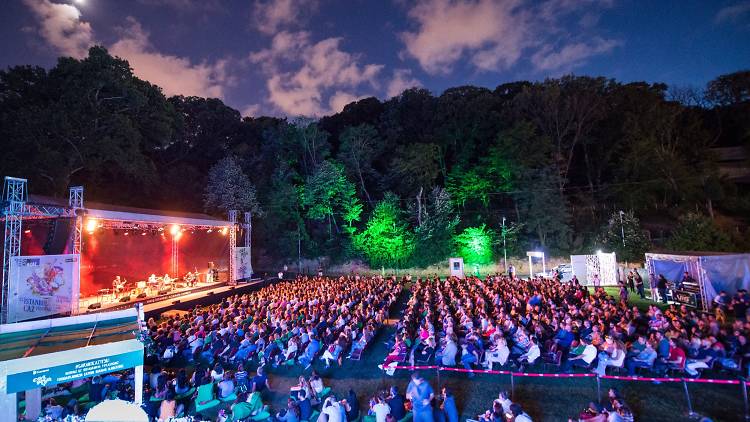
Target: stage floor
{"points": [[155, 302]]}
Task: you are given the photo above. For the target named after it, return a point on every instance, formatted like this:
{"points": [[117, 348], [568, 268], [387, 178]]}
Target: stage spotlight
{"points": [[127, 233], [178, 236], [224, 231], [91, 225], [210, 230], [27, 231], [161, 229], [143, 234], [174, 229]]}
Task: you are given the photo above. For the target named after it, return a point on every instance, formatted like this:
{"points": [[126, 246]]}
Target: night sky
{"points": [[311, 57]]}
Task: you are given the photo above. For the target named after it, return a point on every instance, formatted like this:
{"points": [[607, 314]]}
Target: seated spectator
{"points": [[497, 353], [644, 359], [584, 359], [291, 414], [226, 386], [379, 408], [518, 414]]}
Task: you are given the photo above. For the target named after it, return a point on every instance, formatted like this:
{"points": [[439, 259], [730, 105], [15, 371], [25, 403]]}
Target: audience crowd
{"points": [[513, 322]]}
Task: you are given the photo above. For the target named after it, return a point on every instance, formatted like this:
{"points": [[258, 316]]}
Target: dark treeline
{"points": [[407, 181]]}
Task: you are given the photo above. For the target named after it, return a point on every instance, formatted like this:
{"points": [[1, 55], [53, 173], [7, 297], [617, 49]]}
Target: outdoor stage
{"points": [[178, 297], [66, 258]]}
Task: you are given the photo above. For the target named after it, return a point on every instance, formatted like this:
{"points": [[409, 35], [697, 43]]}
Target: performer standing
{"points": [[118, 286]]}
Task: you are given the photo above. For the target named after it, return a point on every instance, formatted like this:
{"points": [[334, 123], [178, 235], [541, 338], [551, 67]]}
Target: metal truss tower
{"points": [[75, 202], [232, 244], [14, 198]]}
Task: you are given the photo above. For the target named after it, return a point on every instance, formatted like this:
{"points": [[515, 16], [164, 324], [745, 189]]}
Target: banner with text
{"points": [[48, 377], [243, 268], [42, 286]]}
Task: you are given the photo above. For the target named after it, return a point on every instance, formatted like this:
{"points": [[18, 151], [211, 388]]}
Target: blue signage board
{"points": [[47, 377]]}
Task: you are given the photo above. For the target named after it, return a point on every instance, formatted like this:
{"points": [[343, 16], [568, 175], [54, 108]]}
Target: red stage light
{"points": [[174, 229], [27, 231], [126, 233], [224, 231], [91, 225]]}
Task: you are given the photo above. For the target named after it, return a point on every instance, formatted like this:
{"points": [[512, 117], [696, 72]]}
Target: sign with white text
{"points": [[43, 285]]}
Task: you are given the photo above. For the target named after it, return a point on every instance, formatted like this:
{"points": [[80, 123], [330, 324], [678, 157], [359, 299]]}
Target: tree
{"points": [[565, 110], [636, 241], [88, 121], [435, 228], [386, 239], [543, 210], [733, 88], [696, 232], [359, 146], [229, 188], [474, 244], [328, 192]]}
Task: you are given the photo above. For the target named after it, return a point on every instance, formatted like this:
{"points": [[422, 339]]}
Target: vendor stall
{"points": [[46, 353], [707, 275]]}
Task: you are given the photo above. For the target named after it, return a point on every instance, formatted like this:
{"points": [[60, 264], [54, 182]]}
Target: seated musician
{"points": [[189, 279]]}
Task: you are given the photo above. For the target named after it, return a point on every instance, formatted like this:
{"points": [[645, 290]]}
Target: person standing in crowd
{"points": [[396, 402], [661, 286], [421, 394], [380, 408], [639, 285], [449, 406], [511, 271]]}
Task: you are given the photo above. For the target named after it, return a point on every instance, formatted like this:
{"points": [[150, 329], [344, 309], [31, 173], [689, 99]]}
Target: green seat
{"points": [[368, 418], [155, 399], [185, 395], [84, 397], [229, 399], [323, 394], [205, 399], [83, 388], [407, 418]]}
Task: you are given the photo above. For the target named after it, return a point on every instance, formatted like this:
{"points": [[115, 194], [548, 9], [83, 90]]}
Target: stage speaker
{"points": [[163, 292], [96, 305], [125, 299], [58, 236], [141, 296]]}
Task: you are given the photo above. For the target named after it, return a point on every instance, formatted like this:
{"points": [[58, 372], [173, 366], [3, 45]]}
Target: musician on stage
{"points": [[166, 282], [118, 286], [189, 279]]}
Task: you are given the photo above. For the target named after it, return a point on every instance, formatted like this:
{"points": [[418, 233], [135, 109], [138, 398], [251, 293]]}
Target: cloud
{"points": [[318, 71], [62, 28], [496, 34], [402, 80], [175, 75], [185, 5], [250, 110], [493, 33], [570, 55], [272, 15], [732, 13]]}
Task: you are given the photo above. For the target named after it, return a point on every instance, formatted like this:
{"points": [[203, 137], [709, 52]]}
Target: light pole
{"points": [[505, 251], [622, 227]]}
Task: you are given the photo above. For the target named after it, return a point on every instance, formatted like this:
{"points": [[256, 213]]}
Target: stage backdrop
{"points": [[134, 257], [42, 286]]}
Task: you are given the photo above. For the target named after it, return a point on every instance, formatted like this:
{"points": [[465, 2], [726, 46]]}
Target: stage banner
{"points": [[243, 267], [43, 285]]}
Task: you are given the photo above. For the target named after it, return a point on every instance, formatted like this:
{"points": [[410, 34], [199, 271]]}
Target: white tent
{"points": [[603, 265]]}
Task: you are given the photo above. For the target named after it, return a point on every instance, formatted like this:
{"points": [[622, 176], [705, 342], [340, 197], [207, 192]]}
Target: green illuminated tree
{"points": [[386, 239], [328, 192], [474, 244]]}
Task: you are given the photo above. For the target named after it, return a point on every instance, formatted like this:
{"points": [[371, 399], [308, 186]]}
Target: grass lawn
{"points": [[545, 399]]}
